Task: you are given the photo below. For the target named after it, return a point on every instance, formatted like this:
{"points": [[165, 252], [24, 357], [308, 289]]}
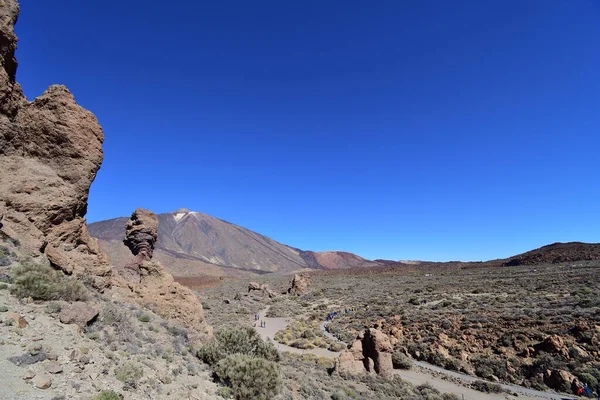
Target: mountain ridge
{"points": [[213, 246]]}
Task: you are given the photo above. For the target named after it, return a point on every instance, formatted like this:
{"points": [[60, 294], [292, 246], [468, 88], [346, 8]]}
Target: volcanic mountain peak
{"points": [[191, 242]]}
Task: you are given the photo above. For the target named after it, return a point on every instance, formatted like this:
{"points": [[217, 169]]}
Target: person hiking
{"points": [[587, 391], [574, 386]]}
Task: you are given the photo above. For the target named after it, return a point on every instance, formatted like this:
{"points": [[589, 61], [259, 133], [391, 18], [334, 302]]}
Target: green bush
{"points": [[587, 378], [224, 392], [242, 340], [108, 395], [144, 318], [400, 361], [129, 374], [3, 309], [3, 286], [487, 387], [211, 353], [41, 282], [250, 378]]}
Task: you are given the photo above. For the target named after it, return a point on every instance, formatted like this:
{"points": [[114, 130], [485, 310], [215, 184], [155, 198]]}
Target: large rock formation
{"points": [[264, 288], [371, 352], [50, 152], [150, 286], [141, 232], [299, 284]]}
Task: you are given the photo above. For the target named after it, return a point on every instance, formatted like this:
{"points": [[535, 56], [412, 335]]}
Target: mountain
{"points": [[557, 253], [191, 243]]}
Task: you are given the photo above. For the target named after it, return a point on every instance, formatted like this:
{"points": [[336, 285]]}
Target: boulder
{"points": [[53, 367], [50, 152], [264, 288], [42, 381], [553, 344], [79, 313], [559, 380], [252, 286], [371, 352], [377, 346], [299, 284], [17, 320]]}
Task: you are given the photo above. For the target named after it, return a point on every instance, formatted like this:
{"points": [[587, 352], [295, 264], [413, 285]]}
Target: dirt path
{"points": [[276, 324], [420, 374]]}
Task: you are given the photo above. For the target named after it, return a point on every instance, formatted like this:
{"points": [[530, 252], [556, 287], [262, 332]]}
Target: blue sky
{"points": [[402, 130]]}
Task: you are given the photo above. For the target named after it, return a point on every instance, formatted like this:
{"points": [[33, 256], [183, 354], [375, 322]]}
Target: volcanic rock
{"points": [[154, 288], [371, 352], [50, 152], [17, 320], [42, 381], [553, 344], [300, 284], [264, 288], [559, 380], [79, 313], [141, 232]]}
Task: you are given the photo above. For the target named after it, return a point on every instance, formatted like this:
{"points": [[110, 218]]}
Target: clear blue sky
{"points": [[435, 130]]}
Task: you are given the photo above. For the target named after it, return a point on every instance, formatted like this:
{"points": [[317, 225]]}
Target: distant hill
{"points": [[557, 253], [191, 243]]}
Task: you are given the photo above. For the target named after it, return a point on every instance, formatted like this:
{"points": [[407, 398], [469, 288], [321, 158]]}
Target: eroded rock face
{"points": [[151, 286], [371, 352], [300, 284], [50, 152], [141, 232]]}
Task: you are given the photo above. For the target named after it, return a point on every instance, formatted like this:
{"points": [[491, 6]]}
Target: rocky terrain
{"points": [[195, 244], [74, 325]]}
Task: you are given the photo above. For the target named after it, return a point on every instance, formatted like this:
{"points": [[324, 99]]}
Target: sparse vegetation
{"points": [[108, 395], [41, 282], [250, 378], [129, 373], [400, 361], [144, 318], [306, 334], [243, 340]]}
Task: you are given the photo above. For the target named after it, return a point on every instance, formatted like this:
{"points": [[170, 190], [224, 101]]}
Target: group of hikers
{"points": [[334, 314], [584, 390], [263, 324], [331, 316]]}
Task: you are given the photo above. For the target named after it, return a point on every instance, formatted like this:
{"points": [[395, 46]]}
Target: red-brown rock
{"points": [[50, 152]]}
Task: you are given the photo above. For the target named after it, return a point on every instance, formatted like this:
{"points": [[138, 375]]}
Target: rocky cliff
{"points": [[50, 152]]}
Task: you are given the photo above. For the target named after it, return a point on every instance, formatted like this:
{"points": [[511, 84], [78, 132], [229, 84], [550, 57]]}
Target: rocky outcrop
{"points": [[141, 232], [264, 288], [553, 344], [559, 380], [299, 284], [371, 352], [152, 287], [50, 152]]}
